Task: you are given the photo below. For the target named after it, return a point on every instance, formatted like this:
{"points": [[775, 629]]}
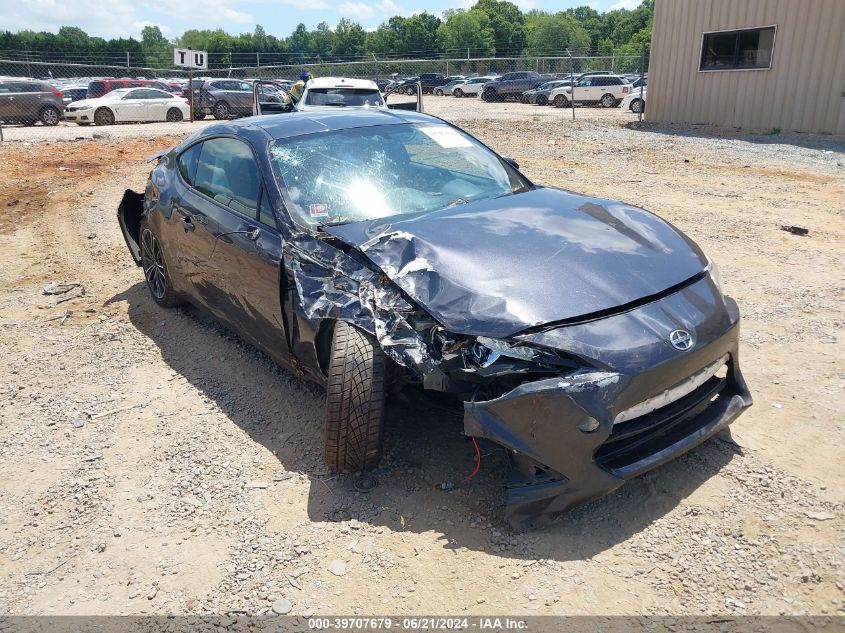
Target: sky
{"points": [[125, 18]]}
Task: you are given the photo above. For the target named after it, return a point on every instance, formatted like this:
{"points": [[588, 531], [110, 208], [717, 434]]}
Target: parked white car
{"points": [[471, 86], [128, 104], [604, 90], [334, 92], [634, 101]]}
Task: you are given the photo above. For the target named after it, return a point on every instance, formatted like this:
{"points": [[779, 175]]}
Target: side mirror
{"points": [[511, 162]]}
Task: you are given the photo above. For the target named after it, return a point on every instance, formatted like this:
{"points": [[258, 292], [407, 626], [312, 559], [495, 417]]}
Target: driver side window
{"points": [[227, 172]]}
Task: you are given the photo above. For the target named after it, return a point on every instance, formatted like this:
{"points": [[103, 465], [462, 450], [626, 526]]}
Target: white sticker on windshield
{"points": [[446, 136]]}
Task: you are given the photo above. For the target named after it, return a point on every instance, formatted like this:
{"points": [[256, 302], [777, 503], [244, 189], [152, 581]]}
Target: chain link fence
{"points": [[65, 70], [59, 67]]}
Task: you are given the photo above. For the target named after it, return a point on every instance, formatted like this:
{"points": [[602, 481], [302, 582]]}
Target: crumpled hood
{"points": [[497, 267]]}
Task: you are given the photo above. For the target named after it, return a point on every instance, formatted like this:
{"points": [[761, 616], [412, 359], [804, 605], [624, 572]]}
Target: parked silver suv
{"points": [[27, 101]]}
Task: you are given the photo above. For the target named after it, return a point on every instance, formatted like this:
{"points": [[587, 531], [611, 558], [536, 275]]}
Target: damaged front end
{"points": [[580, 406]]}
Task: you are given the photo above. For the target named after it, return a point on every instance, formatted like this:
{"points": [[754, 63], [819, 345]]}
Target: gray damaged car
{"points": [[370, 249]]}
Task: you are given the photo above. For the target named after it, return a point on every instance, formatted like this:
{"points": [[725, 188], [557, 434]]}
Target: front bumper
{"points": [[79, 115], [560, 432]]}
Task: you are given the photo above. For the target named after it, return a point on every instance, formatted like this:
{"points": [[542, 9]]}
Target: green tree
{"points": [[349, 39], [466, 31], [507, 23], [418, 35], [553, 34], [156, 47]]}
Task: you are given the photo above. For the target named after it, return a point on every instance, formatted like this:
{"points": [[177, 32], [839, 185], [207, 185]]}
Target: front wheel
{"points": [[104, 116], [561, 102], [155, 269], [542, 100], [637, 106], [174, 115], [355, 393], [458, 93], [438, 92], [489, 96]]}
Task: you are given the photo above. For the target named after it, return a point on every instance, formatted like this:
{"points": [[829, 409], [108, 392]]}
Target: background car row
{"points": [[599, 88]]}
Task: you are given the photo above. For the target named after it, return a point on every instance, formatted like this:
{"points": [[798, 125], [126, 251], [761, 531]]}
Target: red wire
{"points": [[477, 460]]}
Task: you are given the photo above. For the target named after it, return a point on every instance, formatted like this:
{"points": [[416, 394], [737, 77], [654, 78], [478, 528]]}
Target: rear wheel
{"points": [[155, 268], [221, 111], [199, 116], [607, 101], [104, 116], [438, 92], [354, 400], [542, 100], [49, 116], [174, 115], [489, 95], [458, 92], [637, 106]]}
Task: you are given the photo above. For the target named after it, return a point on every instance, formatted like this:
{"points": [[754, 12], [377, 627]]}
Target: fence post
{"points": [[642, 75], [258, 64], [572, 81], [127, 60]]}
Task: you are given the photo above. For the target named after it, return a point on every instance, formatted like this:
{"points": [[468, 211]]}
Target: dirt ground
{"points": [[153, 463]]}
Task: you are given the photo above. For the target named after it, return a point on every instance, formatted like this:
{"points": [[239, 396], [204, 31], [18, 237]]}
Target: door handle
{"points": [[252, 233], [188, 224]]}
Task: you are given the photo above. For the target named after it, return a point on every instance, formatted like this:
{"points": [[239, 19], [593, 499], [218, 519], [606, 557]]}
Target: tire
{"points": [[458, 93], [561, 101], [49, 116], [83, 123], [221, 110], [28, 122], [438, 92], [155, 268], [542, 100], [103, 116], [489, 96], [637, 106], [355, 393], [607, 101], [174, 115], [523, 99], [199, 116]]}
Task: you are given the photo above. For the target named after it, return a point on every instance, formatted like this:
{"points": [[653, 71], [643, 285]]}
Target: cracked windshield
{"points": [[379, 171]]}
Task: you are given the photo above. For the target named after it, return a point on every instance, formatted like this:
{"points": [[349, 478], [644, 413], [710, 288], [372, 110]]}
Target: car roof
{"points": [[341, 82], [289, 125]]}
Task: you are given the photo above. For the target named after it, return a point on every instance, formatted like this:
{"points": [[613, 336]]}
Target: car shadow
{"points": [[423, 483], [818, 142]]}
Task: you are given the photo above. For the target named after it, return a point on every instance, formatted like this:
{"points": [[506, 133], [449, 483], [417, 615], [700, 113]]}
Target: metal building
{"points": [[753, 64]]}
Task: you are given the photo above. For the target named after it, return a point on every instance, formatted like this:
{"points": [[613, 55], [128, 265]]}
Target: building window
{"points": [[743, 49]]}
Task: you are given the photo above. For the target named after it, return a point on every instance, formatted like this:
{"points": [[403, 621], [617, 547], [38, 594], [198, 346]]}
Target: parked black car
{"points": [[27, 102], [222, 98], [540, 94], [430, 81], [510, 85], [69, 95], [372, 249]]}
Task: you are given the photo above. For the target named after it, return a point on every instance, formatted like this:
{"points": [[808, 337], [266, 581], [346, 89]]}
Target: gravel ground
{"points": [[153, 463]]}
